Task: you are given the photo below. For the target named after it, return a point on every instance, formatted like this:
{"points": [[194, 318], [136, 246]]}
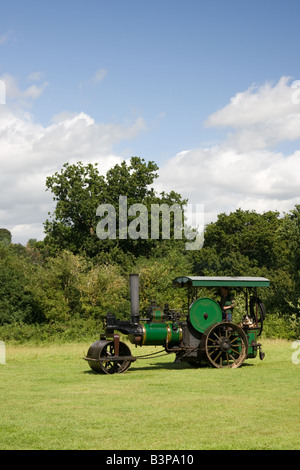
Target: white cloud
{"points": [[17, 97], [260, 116], [244, 170], [30, 152], [99, 76], [256, 105]]}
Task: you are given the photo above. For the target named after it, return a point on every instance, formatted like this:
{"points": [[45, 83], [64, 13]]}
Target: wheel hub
{"points": [[224, 344]]}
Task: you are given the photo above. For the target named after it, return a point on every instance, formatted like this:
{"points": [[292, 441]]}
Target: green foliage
{"points": [[245, 243], [240, 241], [156, 276], [79, 190], [5, 236], [45, 333], [55, 287], [104, 289], [16, 301], [285, 326], [70, 286], [73, 277], [289, 236]]}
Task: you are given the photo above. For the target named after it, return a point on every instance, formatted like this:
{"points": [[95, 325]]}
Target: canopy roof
{"points": [[223, 281]]}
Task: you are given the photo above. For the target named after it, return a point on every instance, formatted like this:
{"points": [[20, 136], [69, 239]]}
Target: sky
{"points": [[208, 89]]}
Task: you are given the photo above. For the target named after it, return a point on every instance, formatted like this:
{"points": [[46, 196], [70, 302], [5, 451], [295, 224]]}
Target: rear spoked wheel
{"points": [[226, 345]]}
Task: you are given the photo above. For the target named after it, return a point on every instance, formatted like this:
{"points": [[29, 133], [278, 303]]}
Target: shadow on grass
{"points": [[152, 366], [181, 366], [166, 366]]}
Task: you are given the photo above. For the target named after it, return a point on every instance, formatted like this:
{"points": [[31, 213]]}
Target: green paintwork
{"points": [[157, 314], [204, 312], [222, 281], [161, 334], [252, 336]]}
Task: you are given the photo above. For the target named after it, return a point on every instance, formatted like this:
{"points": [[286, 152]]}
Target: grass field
{"points": [[50, 399]]}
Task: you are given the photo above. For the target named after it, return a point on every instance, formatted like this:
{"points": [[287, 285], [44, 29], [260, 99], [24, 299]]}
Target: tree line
{"points": [[73, 276]]}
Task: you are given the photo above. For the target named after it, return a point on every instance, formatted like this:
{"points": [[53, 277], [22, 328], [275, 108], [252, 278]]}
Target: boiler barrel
{"points": [[161, 333]]}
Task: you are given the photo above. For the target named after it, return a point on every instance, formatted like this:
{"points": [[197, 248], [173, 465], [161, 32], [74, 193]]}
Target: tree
{"points": [[5, 236], [289, 236], [79, 190], [17, 303], [240, 243], [245, 243]]}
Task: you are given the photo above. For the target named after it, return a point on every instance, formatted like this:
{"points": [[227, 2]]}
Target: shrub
{"points": [[75, 330], [282, 326]]}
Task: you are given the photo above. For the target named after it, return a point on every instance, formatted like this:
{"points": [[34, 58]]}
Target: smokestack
{"points": [[134, 297]]}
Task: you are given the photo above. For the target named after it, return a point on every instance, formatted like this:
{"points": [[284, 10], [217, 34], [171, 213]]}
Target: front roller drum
{"points": [[102, 357], [225, 345]]}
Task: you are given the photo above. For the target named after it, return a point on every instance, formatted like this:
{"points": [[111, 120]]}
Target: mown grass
{"points": [[50, 399]]}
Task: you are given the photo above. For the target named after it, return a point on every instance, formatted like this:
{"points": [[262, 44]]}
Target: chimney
{"points": [[134, 298]]}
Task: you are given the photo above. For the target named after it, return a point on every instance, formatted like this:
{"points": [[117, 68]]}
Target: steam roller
{"points": [[200, 336]]}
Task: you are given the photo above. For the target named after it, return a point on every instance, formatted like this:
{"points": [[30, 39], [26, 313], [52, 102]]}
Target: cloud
{"points": [[224, 179], [256, 105], [35, 76], [244, 170], [5, 37], [260, 116], [17, 97], [30, 152], [99, 76]]}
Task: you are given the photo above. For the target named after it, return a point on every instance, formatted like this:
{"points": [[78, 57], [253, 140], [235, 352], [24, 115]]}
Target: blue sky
{"points": [[148, 78]]}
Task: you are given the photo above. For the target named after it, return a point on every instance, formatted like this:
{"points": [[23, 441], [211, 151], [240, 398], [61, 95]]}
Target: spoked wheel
{"points": [[226, 345], [102, 358]]}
